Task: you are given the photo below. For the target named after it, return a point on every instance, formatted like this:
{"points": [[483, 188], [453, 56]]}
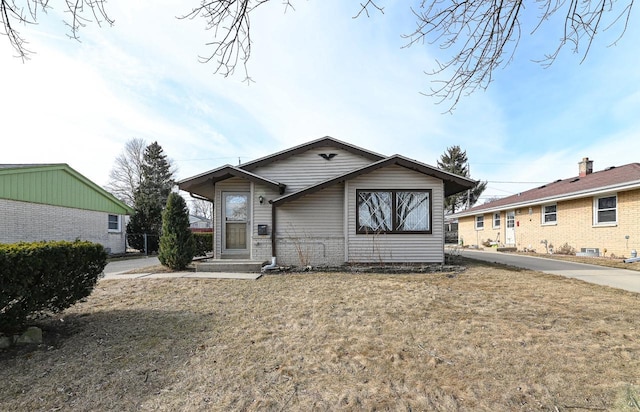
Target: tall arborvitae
{"points": [[177, 245]]}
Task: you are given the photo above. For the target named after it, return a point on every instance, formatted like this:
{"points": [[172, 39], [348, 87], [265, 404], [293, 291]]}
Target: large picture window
{"points": [[393, 211], [605, 210]]}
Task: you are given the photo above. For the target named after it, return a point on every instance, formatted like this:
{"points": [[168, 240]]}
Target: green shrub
{"points": [[177, 246], [43, 277], [204, 243]]}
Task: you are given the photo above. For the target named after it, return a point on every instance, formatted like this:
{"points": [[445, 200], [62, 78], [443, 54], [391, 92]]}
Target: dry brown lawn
{"points": [[484, 339]]}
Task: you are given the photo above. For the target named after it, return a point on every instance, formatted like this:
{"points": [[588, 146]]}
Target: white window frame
{"points": [[544, 213], [493, 220], [596, 221], [109, 223], [478, 219]]}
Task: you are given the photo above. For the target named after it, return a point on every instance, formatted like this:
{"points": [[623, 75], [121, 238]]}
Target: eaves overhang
{"points": [[622, 187], [193, 184], [452, 183]]}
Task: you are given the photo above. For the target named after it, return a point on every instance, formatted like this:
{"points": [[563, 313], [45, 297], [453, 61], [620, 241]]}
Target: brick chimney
{"points": [[585, 167]]}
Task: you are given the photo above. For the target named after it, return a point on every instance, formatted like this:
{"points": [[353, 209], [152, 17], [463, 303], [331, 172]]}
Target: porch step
{"points": [[228, 265]]}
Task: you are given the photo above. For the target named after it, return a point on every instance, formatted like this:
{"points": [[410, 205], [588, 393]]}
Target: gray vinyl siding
{"points": [[314, 227], [261, 244], [396, 247], [305, 169], [234, 184]]}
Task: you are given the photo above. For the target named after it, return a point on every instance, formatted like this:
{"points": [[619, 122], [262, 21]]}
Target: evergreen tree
{"points": [[150, 198], [177, 245], [454, 160]]}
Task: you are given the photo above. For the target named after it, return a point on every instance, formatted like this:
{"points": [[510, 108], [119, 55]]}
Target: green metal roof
{"points": [[57, 185]]}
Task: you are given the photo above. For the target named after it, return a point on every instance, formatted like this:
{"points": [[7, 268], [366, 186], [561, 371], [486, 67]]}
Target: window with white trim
{"points": [[480, 222], [114, 223], [605, 210], [496, 220], [393, 211], [550, 214]]}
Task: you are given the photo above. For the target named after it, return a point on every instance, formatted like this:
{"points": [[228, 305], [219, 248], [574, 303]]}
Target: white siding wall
{"points": [[396, 247], [307, 168], [234, 184], [32, 222], [310, 230]]}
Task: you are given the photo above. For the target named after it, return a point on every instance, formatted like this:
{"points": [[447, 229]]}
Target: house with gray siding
{"points": [[327, 203], [42, 202]]}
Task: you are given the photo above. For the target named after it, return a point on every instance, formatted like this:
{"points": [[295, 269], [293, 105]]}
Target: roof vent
{"points": [[575, 180], [609, 168], [327, 156]]}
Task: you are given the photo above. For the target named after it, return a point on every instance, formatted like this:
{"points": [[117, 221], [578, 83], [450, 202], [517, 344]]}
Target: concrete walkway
{"points": [[194, 275], [118, 270], [616, 278]]}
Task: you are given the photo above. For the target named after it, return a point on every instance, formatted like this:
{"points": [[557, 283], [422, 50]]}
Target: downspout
{"points": [[273, 264]]}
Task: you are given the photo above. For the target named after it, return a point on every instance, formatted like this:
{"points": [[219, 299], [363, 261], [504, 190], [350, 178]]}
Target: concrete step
{"points": [[227, 265]]}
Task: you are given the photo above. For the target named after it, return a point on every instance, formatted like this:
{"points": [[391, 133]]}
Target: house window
{"points": [[496, 220], [605, 210], [393, 211], [479, 222], [549, 214], [114, 223]]}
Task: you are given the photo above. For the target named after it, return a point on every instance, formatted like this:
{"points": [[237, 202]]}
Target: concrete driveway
{"points": [[125, 265], [617, 278]]}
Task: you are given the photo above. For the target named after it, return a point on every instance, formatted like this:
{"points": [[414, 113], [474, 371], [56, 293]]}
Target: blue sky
{"points": [[317, 72]]}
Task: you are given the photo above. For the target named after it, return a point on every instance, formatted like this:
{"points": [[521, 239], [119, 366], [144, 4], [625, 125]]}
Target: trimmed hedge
{"points": [[45, 277], [204, 243]]}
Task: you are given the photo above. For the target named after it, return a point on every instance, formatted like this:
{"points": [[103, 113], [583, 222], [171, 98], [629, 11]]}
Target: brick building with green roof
{"points": [[55, 202]]}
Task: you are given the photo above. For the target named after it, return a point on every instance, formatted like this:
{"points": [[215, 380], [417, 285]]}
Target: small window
{"points": [[114, 223], [496, 220], [605, 210], [479, 222], [549, 214]]}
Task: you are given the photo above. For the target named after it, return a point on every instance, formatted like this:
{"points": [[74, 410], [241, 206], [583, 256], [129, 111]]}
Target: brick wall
{"points": [[574, 226], [315, 251], [31, 222]]}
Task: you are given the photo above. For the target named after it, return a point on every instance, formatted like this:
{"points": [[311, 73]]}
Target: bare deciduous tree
{"points": [[482, 34], [127, 171], [201, 208]]}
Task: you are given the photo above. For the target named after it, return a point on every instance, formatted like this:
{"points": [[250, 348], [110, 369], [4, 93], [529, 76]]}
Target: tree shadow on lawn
{"points": [[115, 359]]}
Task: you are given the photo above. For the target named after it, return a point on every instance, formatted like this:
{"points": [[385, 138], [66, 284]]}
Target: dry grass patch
{"points": [[484, 339]]}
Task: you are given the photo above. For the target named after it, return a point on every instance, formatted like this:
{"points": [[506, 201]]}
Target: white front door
{"points": [[510, 231], [235, 218]]}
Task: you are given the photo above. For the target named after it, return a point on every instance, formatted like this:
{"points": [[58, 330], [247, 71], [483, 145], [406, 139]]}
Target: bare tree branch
{"points": [[482, 34], [81, 13]]}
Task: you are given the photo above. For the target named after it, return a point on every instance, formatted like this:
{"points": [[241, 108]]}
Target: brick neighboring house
{"points": [[327, 202], [593, 212], [54, 202]]}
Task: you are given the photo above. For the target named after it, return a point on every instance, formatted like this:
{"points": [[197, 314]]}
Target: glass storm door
{"points": [[510, 231], [236, 212]]}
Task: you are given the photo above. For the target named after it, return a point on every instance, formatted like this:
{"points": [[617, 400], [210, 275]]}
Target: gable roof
{"points": [[56, 184], [452, 183], [612, 179], [326, 141], [192, 184]]}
